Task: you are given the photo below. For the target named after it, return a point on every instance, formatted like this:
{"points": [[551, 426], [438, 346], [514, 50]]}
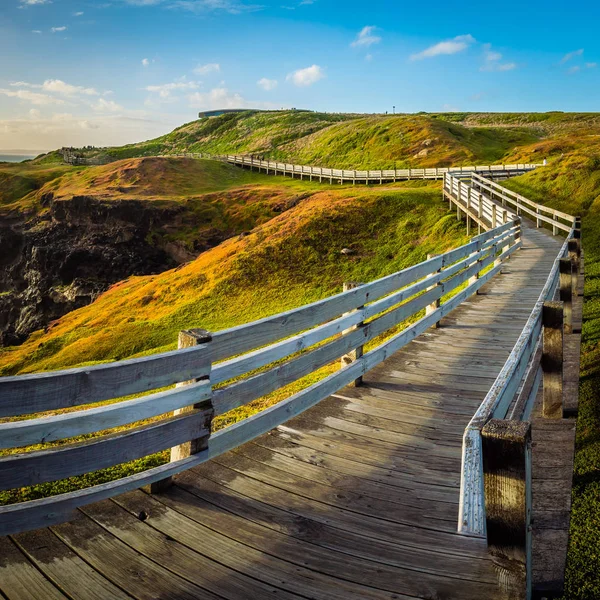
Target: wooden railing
{"points": [[221, 371], [353, 176], [373, 176], [559, 221], [476, 206], [495, 498]]}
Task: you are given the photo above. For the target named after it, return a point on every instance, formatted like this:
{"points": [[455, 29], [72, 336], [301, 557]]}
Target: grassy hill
{"points": [[243, 133], [19, 179], [249, 277], [343, 140], [288, 261], [404, 141]]}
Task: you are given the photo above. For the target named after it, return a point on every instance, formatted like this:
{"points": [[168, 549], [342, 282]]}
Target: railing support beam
{"points": [[187, 339], [506, 450], [357, 353], [436, 304]]}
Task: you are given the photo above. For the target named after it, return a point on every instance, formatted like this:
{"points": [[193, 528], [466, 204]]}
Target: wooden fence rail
{"points": [[354, 176], [496, 480], [245, 362]]}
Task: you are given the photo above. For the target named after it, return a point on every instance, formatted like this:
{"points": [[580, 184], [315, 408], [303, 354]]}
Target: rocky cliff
{"points": [[64, 258]]}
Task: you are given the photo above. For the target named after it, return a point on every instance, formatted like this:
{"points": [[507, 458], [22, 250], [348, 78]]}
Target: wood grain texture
{"points": [[40, 392], [355, 492]]}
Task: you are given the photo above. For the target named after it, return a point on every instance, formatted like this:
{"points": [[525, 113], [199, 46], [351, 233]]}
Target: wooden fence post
{"points": [[493, 216], [187, 339], [506, 453], [358, 352], [538, 223], [552, 359], [574, 246], [436, 303], [566, 291]]}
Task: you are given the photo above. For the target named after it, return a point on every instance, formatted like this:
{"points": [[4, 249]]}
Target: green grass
{"points": [[239, 281], [338, 140], [573, 185]]}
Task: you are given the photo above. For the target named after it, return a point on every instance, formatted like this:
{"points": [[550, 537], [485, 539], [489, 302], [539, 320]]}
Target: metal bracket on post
{"points": [[358, 351], [187, 339]]}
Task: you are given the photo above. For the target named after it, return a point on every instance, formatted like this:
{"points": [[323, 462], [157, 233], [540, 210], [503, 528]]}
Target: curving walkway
{"points": [[356, 498]]}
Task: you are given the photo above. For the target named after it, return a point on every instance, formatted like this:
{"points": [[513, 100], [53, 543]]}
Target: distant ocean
{"points": [[16, 157]]}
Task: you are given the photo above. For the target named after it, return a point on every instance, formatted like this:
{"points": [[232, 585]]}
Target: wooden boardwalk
{"points": [[356, 498]]}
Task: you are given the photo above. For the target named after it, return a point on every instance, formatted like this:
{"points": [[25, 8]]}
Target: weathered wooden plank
{"points": [[66, 461], [49, 429], [40, 392], [259, 358], [19, 579], [126, 568], [65, 568]]}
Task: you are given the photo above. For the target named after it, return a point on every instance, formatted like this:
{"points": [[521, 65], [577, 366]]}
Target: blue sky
{"points": [[79, 72]]}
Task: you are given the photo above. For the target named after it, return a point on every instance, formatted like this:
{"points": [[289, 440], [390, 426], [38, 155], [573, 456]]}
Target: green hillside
{"points": [[343, 140], [292, 259]]}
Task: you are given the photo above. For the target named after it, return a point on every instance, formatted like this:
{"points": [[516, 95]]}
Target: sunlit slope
{"points": [[150, 178], [204, 201], [292, 259], [19, 179], [244, 132], [405, 141], [339, 140]]}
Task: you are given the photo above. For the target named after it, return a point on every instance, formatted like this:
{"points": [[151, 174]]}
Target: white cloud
{"points": [[145, 62], [453, 46], [35, 31], [33, 97], [234, 7], [164, 90], [78, 13], [591, 65], [65, 129], [570, 55], [58, 29], [492, 61], [60, 87], [365, 37], [207, 68], [219, 97], [267, 84], [575, 69], [307, 76], [35, 2], [107, 106]]}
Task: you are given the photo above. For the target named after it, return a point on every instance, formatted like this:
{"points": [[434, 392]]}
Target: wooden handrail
{"points": [[358, 176], [320, 332], [496, 404]]}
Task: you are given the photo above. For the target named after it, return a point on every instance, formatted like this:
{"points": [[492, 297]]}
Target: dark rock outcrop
{"points": [[63, 260]]}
